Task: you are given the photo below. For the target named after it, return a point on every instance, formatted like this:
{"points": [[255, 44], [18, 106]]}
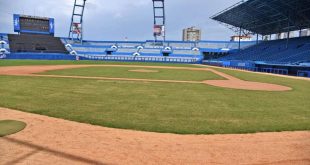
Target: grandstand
{"points": [[179, 51], [35, 43], [41, 46], [277, 52], [268, 18], [251, 17]]}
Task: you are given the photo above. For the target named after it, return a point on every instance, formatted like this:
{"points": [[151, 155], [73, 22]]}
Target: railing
{"points": [[302, 73], [253, 69], [141, 59], [258, 69]]}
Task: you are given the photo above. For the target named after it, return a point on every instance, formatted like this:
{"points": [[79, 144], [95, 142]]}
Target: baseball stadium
{"points": [[69, 99]]}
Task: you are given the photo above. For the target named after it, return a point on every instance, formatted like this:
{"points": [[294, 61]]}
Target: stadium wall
{"points": [[55, 56], [40, 56]]}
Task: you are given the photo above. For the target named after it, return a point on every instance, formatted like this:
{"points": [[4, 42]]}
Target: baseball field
{"points": [[147, 111], [156, 99]]}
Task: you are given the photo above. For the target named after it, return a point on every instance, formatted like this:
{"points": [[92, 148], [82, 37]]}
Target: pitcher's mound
{"points": [[144, 71]]}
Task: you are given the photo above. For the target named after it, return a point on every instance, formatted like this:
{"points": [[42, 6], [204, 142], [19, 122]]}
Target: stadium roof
{"points": [[267, 16]]}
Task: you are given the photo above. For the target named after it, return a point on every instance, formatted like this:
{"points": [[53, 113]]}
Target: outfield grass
{"points": [[124, 72], [8, 127], [163, 107]]}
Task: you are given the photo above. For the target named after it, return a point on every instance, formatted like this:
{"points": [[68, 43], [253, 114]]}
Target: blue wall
{"points": [[40, 56]]}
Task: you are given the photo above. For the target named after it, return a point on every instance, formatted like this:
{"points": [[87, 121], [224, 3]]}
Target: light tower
{"points": [[159, 19], [76, 26]]}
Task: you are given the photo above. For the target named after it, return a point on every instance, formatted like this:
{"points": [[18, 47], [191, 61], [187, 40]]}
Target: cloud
{"points": [[117, 19]]}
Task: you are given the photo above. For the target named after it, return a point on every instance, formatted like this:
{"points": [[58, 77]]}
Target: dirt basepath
{"points": [[231, 82], [49, 140]]}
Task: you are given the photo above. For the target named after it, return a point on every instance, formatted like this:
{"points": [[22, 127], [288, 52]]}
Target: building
{"points": [[191, 34]]}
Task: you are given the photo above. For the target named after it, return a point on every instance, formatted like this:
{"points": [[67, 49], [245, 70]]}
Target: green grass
{"points": [[8, 127], [123, 72], [163, 107]]}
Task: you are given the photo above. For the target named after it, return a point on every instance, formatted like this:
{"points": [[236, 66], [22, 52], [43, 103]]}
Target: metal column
{"points": [[240, 30], [256, 38], [159, 19], [288, 30], [76, 26]]}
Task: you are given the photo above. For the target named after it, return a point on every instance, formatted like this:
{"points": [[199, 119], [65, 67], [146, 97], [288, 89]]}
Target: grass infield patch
{"points": [[8, 127]]}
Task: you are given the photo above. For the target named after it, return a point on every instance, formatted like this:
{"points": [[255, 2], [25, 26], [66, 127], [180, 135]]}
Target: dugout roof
{"points": [[267, 16]]}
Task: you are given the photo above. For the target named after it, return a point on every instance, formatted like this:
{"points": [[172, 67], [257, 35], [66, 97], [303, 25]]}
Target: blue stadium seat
{"points": [[277, 51]]}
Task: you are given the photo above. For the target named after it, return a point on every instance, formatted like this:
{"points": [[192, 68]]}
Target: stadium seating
{"points": [[150, 50], [178, 45], [179, 51], [35, 43], [186, 52], [126, 50], [135, 51], [223, 45], [277, 51]]}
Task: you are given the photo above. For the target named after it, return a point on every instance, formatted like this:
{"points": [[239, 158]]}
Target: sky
{"points": [[120, 19]]}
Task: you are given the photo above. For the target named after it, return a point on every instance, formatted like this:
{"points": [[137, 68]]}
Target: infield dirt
{"points": [[49, 140]]}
